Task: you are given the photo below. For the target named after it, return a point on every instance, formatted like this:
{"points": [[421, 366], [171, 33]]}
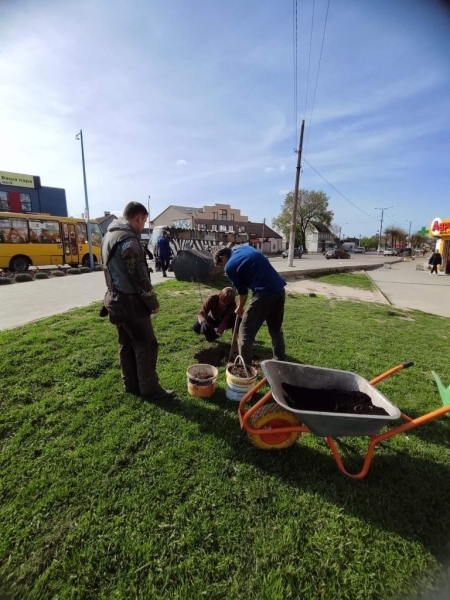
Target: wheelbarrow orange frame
{"points": [[244, 416]]}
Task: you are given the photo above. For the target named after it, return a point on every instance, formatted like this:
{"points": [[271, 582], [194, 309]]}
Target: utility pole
{"points": [[340, 229], [79, 136], [381, 226], [148, 208], [294, 212], [262, 240], [409, 234]]}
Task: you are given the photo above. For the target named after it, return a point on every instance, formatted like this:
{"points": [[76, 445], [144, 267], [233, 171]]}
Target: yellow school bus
{"points": [[37, 240]]}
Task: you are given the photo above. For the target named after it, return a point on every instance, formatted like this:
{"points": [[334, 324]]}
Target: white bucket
{"points": [[237, 387]]}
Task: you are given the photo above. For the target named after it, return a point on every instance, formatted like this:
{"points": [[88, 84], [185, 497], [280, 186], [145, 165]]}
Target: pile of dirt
{"points": [[332, 401], [239, 371]]}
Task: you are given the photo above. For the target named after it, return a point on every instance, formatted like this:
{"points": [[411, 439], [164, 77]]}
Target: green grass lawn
{"points": [[103, 496], [356, 280]]}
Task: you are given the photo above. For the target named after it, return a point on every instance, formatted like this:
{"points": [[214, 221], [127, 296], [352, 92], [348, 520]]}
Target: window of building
{"points": [[201, 226], [222, 214], [222, 227], [13, 231], [44, 232], [213, 227], [25, 201], [231, 216], [215, 216], [4, 201], [241, 229], [230, 228]]}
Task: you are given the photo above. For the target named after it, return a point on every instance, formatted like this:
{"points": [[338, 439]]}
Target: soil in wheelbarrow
{"points": [[332, 401]]}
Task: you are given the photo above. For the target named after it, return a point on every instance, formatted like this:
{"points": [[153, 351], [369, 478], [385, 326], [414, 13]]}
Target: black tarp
{"points": [[195, 265]]}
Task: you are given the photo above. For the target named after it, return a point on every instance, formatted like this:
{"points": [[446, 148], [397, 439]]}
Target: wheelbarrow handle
{"points": [[405, 365]]}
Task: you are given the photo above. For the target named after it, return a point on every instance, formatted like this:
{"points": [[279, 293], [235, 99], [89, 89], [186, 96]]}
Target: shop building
{"points": [[21, 193], [440, 230]]}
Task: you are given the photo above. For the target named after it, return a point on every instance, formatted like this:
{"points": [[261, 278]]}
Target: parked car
{"points": [[405, 252], [390, 252], [336, 253], [359, 250], [297, 252]]}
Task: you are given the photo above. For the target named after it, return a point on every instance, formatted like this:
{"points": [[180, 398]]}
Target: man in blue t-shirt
{"points": [[249, 269], [164, 251]]}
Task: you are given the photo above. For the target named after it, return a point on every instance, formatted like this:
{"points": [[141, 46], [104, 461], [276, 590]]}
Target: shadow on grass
{"points": [[404, 494]]}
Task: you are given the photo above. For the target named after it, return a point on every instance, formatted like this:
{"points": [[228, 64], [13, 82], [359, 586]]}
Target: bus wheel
{"points": [[86, 262], [19, 263]]}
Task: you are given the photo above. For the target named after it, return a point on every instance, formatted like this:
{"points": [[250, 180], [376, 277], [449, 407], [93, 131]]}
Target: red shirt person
{"points": [[216, 315]]}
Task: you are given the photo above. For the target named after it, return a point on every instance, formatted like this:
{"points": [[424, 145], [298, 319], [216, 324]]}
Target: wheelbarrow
{"points": [[278, 425]]}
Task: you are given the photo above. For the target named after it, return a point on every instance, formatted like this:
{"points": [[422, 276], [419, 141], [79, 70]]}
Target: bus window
{"points": [[81, 232], [96, 234], [44, 232], [13, 231], [67, 251]]}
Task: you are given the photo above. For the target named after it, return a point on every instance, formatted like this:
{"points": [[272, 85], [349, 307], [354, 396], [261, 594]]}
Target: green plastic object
{"points": [[444, 392]]}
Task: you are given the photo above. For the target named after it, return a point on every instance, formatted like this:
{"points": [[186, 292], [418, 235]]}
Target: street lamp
{"points": [[79, 136]]}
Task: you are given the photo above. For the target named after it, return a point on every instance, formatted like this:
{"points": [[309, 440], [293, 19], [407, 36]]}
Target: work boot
{"points": [[162, 394], [164, 274]]}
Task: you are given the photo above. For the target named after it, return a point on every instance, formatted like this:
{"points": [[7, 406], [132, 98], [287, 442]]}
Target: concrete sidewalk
{"points": [[405, 287]]}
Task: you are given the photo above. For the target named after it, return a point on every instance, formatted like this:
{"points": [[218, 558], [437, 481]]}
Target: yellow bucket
{"points": [[201, 380]]}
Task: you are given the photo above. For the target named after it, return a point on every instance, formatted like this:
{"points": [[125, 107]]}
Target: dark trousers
{"points": [[138, 354], [268, 307], [434, 269], [165, 263]]}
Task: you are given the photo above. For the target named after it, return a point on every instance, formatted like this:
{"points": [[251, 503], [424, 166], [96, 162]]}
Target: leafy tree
{"points": [[397, 234], [418, 240], [312, 206], [370, 242]]}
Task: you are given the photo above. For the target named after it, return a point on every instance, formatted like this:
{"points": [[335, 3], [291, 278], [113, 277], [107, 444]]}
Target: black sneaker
{"points": [[161, 395]]}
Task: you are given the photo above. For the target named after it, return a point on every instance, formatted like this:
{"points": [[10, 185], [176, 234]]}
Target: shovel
{"points": [[233, 347]]}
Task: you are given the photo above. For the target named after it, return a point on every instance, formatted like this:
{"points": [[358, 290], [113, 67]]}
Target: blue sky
{"points": [[192, 102]]}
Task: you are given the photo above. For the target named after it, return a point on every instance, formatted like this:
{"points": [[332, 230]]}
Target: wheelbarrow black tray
{"points": [[327, 424]]}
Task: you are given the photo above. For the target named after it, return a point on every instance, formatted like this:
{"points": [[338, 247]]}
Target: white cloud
{"points": [[181, 163], [269, 170], [283, 192], [282, 167]]}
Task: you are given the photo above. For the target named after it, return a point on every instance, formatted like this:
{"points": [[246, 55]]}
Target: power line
{"points": [[318, 71], [309, 59], [337, 191]]}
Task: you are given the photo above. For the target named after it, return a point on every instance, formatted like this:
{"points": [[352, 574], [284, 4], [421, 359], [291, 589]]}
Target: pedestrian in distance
{"points": [[435, 261], [216, 315], [249, 269], [129, 301], [164, 251]]}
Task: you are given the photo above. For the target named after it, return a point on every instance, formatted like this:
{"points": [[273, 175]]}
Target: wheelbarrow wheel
{"points": [[269, 418]]}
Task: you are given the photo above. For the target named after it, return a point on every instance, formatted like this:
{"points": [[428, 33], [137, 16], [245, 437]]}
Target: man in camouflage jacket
{"points": [[130, 300]]}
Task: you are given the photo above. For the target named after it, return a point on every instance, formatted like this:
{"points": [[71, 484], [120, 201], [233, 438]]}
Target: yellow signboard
{"points": [[440, 227], [17, 179]]}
